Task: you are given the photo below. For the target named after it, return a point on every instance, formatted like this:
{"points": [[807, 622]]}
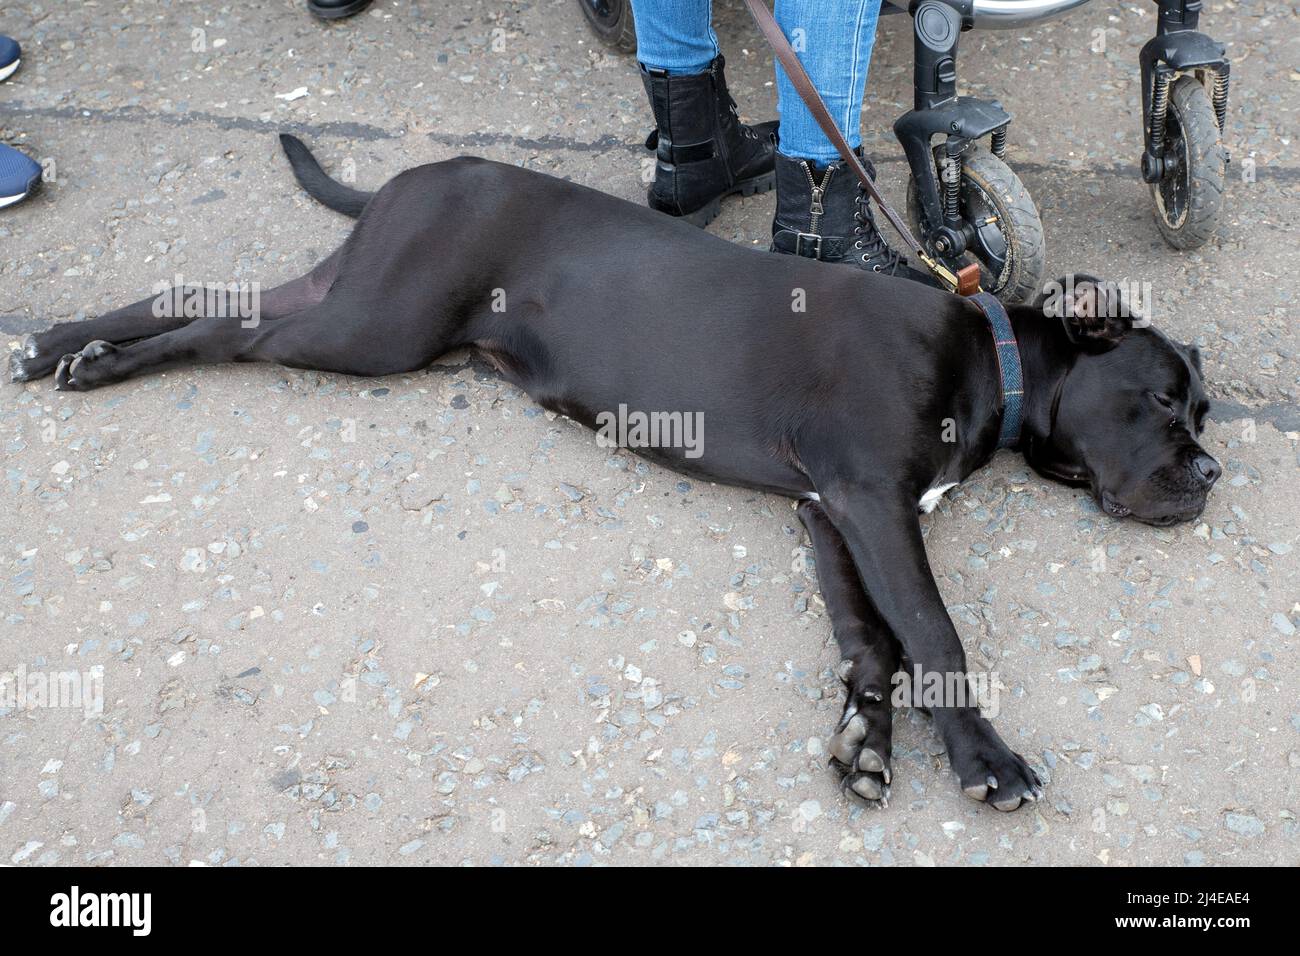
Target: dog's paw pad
{"points": [[992, 773], [1008, 804], [865, 785], [860, 747], [980, 791], [870, 761], [1008, 790], [76, 372], [97, 349], [844, 745]]}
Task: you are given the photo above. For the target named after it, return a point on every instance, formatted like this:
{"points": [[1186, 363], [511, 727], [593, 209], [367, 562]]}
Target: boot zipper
{"points": [[816, 208]]}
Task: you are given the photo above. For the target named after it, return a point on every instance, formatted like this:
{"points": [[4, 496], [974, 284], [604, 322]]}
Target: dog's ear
{"points": [[1095, 314]]}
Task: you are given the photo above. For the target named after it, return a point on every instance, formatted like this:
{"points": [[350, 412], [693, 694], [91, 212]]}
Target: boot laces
{"points": [[745, 131], [869, 239]]}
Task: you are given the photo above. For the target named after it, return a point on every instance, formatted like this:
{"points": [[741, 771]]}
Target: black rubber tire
{"points": [[1022, 276], [616, 28], [1191, 123]]}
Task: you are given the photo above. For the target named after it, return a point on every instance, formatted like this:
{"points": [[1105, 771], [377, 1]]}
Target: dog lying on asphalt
{"points": [[873, 399]]}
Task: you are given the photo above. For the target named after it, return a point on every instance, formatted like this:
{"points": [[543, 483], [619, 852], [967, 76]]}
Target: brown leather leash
{"points": [[967, 280]]}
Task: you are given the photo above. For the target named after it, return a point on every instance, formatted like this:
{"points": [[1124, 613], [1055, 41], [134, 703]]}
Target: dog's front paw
{"points": [[86, 369], [25, 362], [862, 744], [988, 769]]}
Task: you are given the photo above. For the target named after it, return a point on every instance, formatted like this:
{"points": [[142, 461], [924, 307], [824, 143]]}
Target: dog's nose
{"points": [[1207, 468]]}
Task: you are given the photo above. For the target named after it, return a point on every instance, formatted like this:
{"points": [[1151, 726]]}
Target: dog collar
{"points": [[1008, 353]]}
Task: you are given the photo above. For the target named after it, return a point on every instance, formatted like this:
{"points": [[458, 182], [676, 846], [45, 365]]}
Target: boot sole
{"points": [[338, 13], [753, 186]]}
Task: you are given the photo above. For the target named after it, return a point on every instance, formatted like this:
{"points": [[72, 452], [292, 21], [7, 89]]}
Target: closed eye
{"points": [[1202, 410], [1164, 401]]}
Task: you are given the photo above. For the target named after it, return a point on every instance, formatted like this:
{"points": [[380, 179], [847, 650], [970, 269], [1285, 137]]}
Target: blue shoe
{"points": [[10, 56], [19, 176]]}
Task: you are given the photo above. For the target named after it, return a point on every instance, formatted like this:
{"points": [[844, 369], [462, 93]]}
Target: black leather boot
{"points": [[336, 9], [826, 215], [703, 151]]}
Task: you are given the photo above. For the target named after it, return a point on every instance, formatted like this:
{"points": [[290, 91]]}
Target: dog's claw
{"points": [[63, 380]]}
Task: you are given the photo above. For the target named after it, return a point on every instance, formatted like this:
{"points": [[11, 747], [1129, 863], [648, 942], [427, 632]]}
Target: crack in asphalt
{"points": [[136, 114], [368, 132], [1284, 416]]}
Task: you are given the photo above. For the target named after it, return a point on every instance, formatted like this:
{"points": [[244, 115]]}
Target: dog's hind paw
{"points": [[77, 372], [23, 361], [861, 747]]}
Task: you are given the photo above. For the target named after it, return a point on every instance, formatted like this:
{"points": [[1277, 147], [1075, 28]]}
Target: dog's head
{"points": [[1125, 417]]}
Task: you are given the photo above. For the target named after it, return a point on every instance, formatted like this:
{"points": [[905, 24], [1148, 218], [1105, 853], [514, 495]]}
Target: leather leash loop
{"points": [[967, 280]]}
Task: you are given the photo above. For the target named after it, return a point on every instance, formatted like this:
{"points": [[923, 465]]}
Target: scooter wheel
{"points": [[1189, 197], [611, 21], [1008, 240]]}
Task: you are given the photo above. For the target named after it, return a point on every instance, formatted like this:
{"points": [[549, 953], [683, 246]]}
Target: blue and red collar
{"points": [[1009, 370]]}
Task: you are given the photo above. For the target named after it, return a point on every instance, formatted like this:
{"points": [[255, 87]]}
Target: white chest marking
{"points": [[931, 497]]}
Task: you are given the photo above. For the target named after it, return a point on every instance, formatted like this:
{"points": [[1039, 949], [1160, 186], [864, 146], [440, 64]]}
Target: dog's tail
{"points": [[328, 192]]}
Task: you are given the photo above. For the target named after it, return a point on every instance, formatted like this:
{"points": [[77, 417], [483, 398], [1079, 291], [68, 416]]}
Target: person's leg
{"points": [[822, 212], [675, 35], [833, 39], [702, 150]]}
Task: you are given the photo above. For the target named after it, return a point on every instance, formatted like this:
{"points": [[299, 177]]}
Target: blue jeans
{"points": [[833, 39]]}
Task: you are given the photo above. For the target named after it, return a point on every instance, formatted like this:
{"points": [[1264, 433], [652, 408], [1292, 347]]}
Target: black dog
{"points": [[859, 394]]}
